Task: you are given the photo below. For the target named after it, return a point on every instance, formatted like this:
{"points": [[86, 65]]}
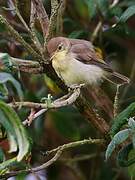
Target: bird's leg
{"points": [[71, 90], [75, 86], [63, 97]]}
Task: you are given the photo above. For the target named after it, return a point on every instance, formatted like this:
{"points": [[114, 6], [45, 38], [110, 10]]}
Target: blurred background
{"points": [[115, 41]]}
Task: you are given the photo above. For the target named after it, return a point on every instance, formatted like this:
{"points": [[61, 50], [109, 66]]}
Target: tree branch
{"points": [[20, 17], [77, 143], [91, 116], [116, 101], [69, 99], [26, 65], [42, 15], [59, 150], [19, 38], [53, 19], [96, 31], [49, 105], [32, 26]]}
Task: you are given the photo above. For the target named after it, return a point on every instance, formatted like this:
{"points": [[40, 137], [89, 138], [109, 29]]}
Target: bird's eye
{"points": [[60, 47]]}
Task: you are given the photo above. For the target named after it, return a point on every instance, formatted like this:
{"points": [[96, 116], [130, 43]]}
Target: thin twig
{"points": [[32, 26], [26, 65], [44, 22], [114, 3], [39, 113], [20, 17], [30, 31], [42, 15], [19, 38], [23, 62], [77, 143], [59, 24], [56, 104], [53, 19], [38, 168], [58, 151], [116, 101], [61, 102], [96, 30]]}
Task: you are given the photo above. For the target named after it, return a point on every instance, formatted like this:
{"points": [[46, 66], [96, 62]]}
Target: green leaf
{"points": [[2, 155], [122, 157], [76, 34], [103, 6], [133, 139], [117, 139], [6, 63], [130, 11], [10, 131], [6, 77], [127, 3], [92, 8], [116, 11], [131, 123], [3, 92], [122, 118], [131, 169], [7, 163], [15, 130]]}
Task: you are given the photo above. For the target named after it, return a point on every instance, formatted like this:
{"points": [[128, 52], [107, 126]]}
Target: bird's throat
{"points": [[60, 61]]}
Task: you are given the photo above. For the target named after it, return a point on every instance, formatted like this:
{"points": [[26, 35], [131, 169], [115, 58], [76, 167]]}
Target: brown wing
{"points": [[85, 53]]}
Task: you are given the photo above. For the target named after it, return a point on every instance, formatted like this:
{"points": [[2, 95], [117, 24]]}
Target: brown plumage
{"points": [[82, 51]]}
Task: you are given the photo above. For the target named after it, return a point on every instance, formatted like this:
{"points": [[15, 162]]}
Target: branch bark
{"points": [[42, 15], [59, 150], [49, 105], [27, 66], [19, 38], [53, 19]]}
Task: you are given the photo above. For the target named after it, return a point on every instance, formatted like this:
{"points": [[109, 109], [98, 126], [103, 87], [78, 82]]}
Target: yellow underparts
{"points": [[72, 71]]}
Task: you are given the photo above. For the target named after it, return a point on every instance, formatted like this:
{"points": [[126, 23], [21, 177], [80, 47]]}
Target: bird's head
{"points": [[58, 47]]}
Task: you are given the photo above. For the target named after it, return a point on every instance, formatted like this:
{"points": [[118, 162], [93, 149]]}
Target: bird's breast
{"points": [[72, 71]]}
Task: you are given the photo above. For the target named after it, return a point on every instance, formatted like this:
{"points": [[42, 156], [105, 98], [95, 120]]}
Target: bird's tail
{"points": [[117, 78]]}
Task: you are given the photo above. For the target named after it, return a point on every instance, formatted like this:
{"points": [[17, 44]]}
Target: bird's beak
{"points": [[52, 56]]}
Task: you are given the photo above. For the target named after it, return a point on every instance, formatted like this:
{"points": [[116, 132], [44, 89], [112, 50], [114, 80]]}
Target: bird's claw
{"points": [[75, 86]]}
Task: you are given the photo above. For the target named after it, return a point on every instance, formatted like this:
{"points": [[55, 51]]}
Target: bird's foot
{"points": [[75, 86], [63, 97], [71, 90]]}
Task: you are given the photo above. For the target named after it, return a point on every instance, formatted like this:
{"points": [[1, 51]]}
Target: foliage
{"points": [[115, 37], [130, 11], [122, 118], [125, 156], [17, 136], [121, 136]]}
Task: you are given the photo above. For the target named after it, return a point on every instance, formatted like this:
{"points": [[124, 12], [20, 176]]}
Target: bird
{"points": [[76, 62]]}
